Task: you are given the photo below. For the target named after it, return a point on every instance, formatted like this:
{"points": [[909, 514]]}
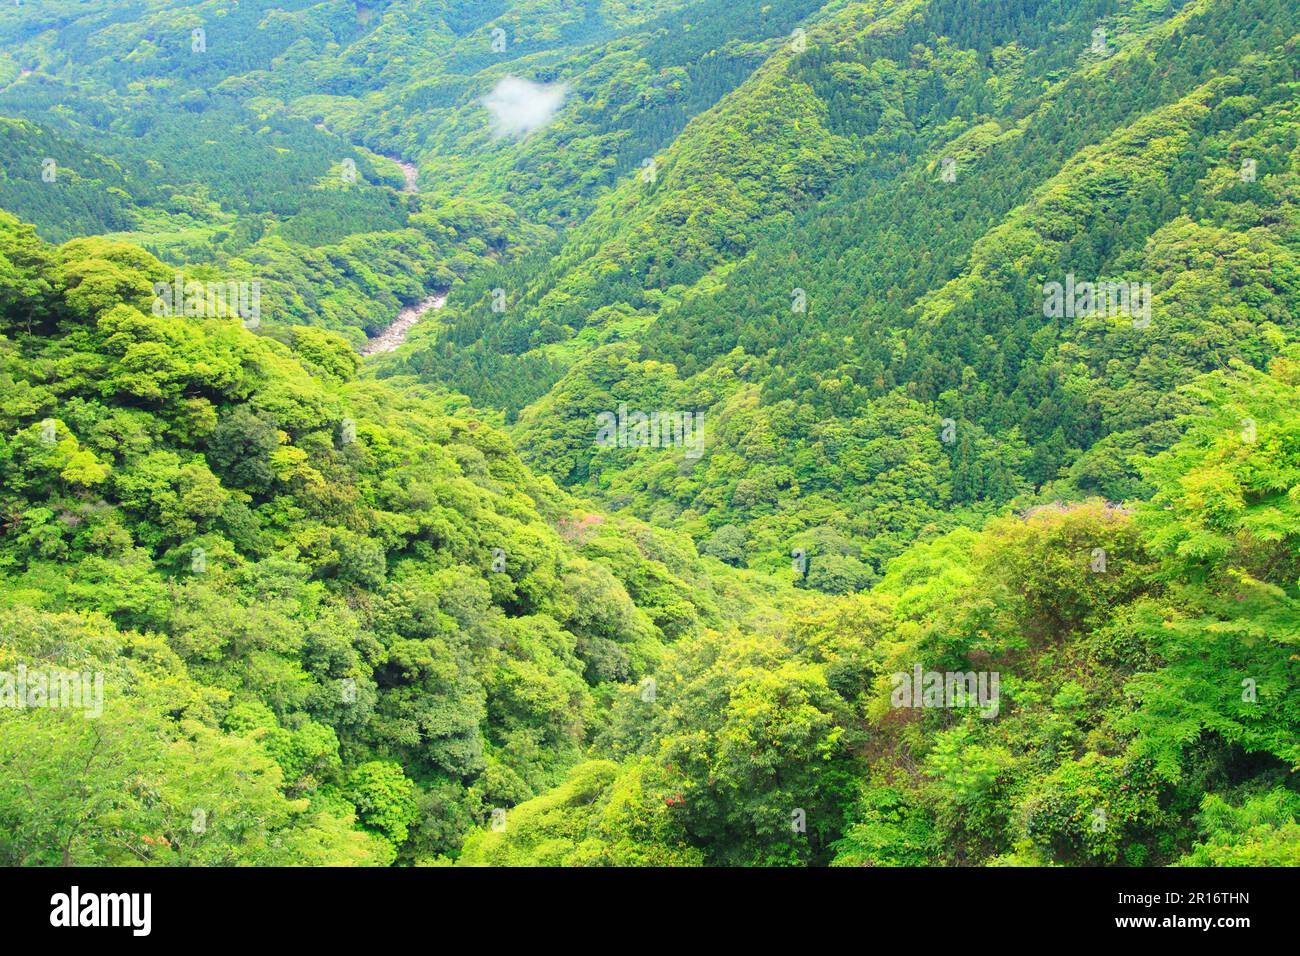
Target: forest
{"points": [[785, 483]]}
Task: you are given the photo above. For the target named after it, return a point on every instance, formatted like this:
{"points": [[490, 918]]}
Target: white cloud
{"points": [[520, 106]]}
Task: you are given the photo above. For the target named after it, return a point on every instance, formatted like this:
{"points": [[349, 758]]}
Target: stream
{"points": [[411, 174], [395, 334]]}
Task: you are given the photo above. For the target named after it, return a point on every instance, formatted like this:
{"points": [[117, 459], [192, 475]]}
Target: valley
{"points": [[395, 334], [735, 433]]}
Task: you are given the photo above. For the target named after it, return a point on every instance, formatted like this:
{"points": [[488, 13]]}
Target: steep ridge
{"points": [[343, 617], [830, 356]]}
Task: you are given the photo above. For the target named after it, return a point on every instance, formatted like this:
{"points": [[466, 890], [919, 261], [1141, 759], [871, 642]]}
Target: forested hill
{"points": [[353, 594], [453, 606], [259, 137], [802, 271]]}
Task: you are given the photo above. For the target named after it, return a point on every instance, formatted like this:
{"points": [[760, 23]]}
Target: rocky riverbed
{"points": [[395, 334]]}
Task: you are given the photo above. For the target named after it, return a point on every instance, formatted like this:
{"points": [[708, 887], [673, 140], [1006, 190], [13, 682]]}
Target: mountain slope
{"points": [[830, 356], [353, 584], [927, 556]]}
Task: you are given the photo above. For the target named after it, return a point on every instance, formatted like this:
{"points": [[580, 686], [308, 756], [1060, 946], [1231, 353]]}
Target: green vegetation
{"points": [[951, 577], [358, 586]]}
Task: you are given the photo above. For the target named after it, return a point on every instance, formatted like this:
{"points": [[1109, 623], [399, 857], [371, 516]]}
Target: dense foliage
{"points": [[411, 610]]}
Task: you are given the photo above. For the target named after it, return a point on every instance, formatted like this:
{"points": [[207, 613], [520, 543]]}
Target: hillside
{"points": [[965, 532], [262, 137], [838, 312], [352, 587]]}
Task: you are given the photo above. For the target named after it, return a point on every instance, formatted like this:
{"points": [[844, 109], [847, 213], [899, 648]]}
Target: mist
{"points": [[519, 106]]}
